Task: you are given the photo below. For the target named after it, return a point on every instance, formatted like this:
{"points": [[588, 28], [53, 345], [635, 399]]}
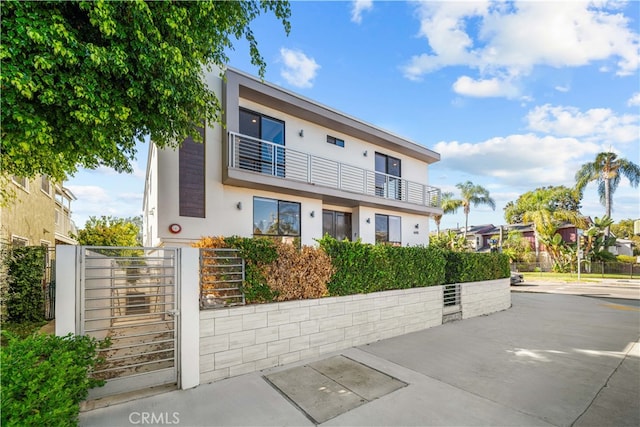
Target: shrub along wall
{"points": [[281, 272], [362, 268], [465, 267], [25, 270]]}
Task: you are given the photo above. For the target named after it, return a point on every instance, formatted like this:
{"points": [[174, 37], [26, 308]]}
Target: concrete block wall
{"points": [[479, 298], [239, 340]]}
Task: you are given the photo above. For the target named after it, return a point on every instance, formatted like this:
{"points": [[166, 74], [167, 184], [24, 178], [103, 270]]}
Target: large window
{"points": [[336, 224], [277, 218], [256, 155], [388, 173], [388, 229]]}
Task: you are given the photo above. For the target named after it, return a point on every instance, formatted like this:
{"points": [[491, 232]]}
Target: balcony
{"points": [[262, 164]]}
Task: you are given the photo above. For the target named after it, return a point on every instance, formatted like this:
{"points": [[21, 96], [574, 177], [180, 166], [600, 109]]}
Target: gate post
{"points": [[189, 292], [67, 303]]}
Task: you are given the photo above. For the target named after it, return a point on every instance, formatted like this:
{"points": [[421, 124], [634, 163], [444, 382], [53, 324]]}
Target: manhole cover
{"points": [[333, 386]]}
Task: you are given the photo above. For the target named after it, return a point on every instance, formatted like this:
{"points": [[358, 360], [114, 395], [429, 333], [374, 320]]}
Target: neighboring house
{"points": [[480, 237], [287, 167], [38, 215], [622, 247]]}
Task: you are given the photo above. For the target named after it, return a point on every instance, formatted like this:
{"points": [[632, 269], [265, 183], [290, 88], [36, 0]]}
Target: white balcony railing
{"points": [[255, 155]]}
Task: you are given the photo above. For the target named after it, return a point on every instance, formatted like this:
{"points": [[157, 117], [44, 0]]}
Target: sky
{"points": [[513, 95]]}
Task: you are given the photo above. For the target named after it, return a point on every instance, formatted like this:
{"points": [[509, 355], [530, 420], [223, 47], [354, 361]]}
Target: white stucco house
{"points": [[288, 167]]}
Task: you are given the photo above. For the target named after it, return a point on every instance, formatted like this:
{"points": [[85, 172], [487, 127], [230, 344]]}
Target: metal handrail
{"points": [[264, 157]]}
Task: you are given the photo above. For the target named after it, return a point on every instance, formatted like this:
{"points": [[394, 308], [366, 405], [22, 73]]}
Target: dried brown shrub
{"points": [[299, 273]]}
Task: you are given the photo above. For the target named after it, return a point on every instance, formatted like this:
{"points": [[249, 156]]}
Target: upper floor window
{"points": [[388, 229], [21, 181], [261, 153], [278, 218], [45, 185], [335, 141], [388, 173]]}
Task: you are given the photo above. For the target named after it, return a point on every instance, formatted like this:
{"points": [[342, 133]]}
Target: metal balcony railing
{"points": [[255, 155]]}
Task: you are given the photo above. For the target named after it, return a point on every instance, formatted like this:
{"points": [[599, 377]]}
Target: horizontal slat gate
{"points": [[129, 295]]}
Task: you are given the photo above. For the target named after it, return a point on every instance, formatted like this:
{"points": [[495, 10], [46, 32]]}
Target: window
{"points": [[335, 141], [388, 172], [256, 154], [276, 218], [388, 229], [336, 224], [45, 186], [21, 182], [19, 241]]}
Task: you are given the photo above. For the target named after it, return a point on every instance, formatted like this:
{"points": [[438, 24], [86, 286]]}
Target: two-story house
{"points": [[288, 167], [37, 214]]}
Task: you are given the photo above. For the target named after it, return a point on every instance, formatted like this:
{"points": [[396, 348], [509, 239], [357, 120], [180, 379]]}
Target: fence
{"points": [[601, 268]]}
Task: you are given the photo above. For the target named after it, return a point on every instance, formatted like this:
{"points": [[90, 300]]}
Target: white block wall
{"points": [[239, 340], [478, 298]]}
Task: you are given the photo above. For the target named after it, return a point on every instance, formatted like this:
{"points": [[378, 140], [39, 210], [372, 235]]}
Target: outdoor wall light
{"points": [[368, 220], [301, 133], [417, 226], [312, 214], [239, 206], [365, 153]]}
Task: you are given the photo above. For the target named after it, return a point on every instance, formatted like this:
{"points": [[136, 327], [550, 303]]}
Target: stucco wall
{"points": [[235, 341]]}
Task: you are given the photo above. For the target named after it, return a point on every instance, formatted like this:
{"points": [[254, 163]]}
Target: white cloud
{"points": [[519, 159], [485, 88], [562, 89], [360, 6], [299, 70], [512, 38], [597, 124], [634, 100], [93, 200]]}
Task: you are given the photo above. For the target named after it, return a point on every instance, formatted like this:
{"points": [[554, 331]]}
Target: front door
{"points": [[336, 224]]}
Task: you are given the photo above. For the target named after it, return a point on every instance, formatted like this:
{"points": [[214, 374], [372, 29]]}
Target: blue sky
{"points": [[513, 95]]}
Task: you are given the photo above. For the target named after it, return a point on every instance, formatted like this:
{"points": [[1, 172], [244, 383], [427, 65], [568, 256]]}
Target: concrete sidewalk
{"points": [[557, 360]]}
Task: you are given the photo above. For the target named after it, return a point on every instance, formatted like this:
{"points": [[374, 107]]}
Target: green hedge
{"points": [[473, 266], [45, 377], [25, 270], [363, 268]]}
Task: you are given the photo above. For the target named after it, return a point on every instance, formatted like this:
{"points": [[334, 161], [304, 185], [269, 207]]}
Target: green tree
{"points": [[473, 194], [607, 170], [516, 247], [558, 198], [109, 231], [448, 205], [82, 81]]}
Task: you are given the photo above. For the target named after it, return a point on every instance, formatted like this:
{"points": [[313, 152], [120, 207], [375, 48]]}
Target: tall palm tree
{"points": [[475, 194], [606, 170], [448, 205]]}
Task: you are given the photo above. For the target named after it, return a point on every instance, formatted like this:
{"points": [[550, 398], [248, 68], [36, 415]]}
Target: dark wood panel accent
{"points": [[191, 178]]}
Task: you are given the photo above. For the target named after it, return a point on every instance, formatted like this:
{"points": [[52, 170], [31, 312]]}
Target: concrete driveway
{"points": [[550, 360]]}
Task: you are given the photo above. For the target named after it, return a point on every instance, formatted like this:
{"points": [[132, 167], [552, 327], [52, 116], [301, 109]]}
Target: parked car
{"points": [[516, 278]]}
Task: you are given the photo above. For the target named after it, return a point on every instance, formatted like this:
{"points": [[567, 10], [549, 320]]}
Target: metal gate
{"points": [[130, 296]]}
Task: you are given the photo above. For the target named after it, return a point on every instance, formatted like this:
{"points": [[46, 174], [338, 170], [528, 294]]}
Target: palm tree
{"points": [[539, 209], [475, 194], [448, 205], [607, 170]]}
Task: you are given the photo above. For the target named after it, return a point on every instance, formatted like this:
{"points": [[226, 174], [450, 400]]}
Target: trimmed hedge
{"points": [[25, 271], [364, 268], [474, 267]]}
